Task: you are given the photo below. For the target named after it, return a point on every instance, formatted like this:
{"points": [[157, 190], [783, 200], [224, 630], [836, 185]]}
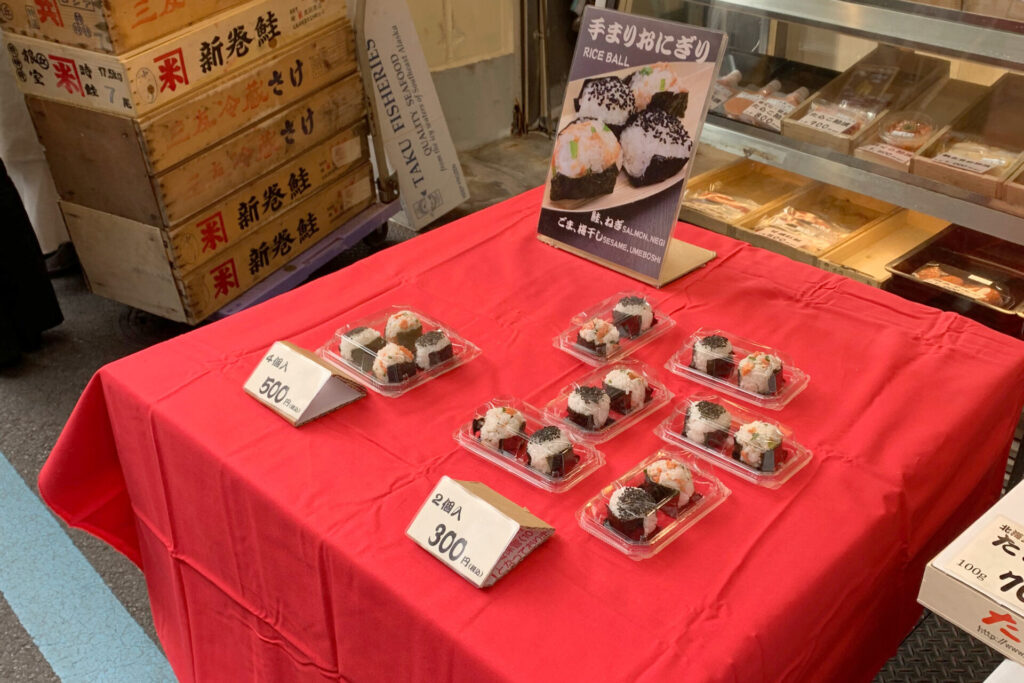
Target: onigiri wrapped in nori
{"points": [[607, 99], [586, 161], [657, 87], [655, 147]]}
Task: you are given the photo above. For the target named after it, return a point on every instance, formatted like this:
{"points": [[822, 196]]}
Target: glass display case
{"points": [[847, 134]]}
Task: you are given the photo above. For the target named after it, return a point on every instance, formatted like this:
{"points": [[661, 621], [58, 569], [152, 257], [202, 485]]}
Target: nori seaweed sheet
{"points": [[585, 187], [660, 168], [673, 103]]}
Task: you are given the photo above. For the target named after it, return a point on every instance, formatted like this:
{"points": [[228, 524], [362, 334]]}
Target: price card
{"points": [[900, 156], [298, 386], [993, 562], [720, 94], [476, 532], [768, 113], [836, 124], [963, 164]]}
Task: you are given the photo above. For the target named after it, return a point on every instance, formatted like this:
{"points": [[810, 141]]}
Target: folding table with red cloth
{"points": [[276, 553]]}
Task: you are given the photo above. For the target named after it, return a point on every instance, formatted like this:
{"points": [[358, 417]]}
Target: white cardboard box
{"points": [[977, 581]]}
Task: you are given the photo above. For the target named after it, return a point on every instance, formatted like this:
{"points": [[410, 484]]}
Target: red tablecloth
{"points": [[274, 553]]}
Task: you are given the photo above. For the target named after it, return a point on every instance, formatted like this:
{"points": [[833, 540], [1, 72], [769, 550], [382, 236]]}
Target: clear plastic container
{"points": [[657, 395], [359, 366], [711, 439], [908, 130], [671, 518], [725, 377], [516, 460], [612, 313], [966, 284]]}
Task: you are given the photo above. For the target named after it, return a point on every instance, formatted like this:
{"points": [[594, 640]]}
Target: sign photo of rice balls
{"points": [[626, 134]]}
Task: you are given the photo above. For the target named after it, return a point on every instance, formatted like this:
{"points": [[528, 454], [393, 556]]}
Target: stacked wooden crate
{"points": [[197, 146]]}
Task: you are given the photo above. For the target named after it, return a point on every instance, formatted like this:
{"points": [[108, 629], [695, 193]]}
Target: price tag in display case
{"points": [[476, 532], [298, 386]]}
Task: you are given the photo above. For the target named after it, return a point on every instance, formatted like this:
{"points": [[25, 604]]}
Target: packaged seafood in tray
{"points": [[736, 439], [613, 329], [651, 505], [606, 401], [396, 350], [739, 367], [516, 437]]}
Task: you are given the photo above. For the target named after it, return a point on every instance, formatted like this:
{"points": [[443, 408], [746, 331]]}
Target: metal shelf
{"points": [[980, 43], [913, 192]]}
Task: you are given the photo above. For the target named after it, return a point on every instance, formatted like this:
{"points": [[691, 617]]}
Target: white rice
{"points": [[703, 352], [643, 139], [541, 452], [642, 309], [698, 427], [630, 382], [756, 371], [596, 149], [357, 339], [501, 423], [599, 410], [423, 350], [755, 439], [607, 99], [598, 331], [391, 354], [650, 520], [673, 475], [403, 321], [645, 86]]}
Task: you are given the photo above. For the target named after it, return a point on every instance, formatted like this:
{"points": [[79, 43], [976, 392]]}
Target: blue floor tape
{"points": [[84, 632]]}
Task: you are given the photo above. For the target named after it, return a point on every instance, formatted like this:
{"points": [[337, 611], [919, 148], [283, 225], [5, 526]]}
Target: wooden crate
{"points": [[97, 164], [758, 182], [944, 102], [812, 199], [218, 227], [864, 256], [172, 134], [925, 72], [112, 26], [994, 119], [159, 73], [127, 261]]}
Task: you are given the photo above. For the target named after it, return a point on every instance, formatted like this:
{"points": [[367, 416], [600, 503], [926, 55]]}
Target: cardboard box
{"points": [[111, 26], [944, 102], [977, 581], [820, 200], [916, 73], [100, 161], [994, 119], [128, 261], [159, 73], [864, 257]]}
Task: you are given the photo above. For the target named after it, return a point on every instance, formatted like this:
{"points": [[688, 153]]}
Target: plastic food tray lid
{"points": [[605, 311], [463, 351], [789, 457], [709, 493], [590, 459], [659, 395], [793, 380]]}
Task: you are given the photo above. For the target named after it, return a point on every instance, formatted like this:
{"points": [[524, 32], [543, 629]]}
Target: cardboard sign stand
{"points": [[680, 258], [299, 386]]}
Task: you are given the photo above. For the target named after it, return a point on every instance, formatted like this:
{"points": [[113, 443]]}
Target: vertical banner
{"points": [[416, 138], [634, 107]]}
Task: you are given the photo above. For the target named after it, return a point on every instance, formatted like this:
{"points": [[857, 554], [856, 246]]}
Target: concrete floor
{"points": [[37, 396]]}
